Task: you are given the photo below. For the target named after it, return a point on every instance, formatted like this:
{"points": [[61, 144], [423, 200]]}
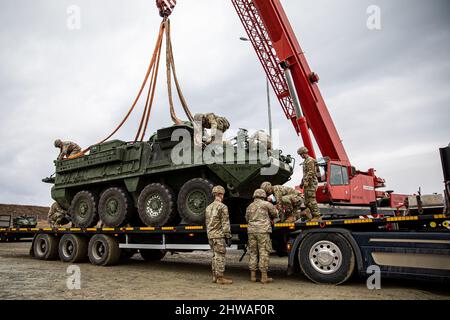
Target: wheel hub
{"points": [[112, 207], [83, 208], [155, 206], [325, 257], [196, 201]]}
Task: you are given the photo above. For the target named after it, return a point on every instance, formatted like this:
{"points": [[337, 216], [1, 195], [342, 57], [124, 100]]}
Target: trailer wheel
{"points": [[73, 248], [83, 210], [326, 258], [156, 205], [194, 197], [152, 255], [115, 207], [103, 250], [45, 247]]}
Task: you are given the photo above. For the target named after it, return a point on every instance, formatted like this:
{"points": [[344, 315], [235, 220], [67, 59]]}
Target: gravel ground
{"points": [[181, 276]]}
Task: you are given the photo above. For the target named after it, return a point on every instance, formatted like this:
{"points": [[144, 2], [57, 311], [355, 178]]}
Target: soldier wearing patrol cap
{"points": [[259, 217], [219, 234], [310, 183]]}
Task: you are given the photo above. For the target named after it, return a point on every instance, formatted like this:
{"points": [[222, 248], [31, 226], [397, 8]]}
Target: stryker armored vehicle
{"points": [[139, 184]]}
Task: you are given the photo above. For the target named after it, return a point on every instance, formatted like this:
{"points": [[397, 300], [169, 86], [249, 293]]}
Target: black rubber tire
{"points": [[90, 218], [342, 274], [165, 196], [73, 248], [103, 250], [200, 186], [45, 247], [152, 255], [125, 207]]}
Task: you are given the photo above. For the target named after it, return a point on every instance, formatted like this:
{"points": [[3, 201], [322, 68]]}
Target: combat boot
{"points": [[265, 278], [253, 276], [214, 278], [223, 280]]}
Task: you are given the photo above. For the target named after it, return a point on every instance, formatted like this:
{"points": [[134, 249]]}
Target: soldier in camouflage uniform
{"points": [[217, 124], [310, 183], [57, 216], [219, 234], [67, 148], [259, 217], [288, 200]]}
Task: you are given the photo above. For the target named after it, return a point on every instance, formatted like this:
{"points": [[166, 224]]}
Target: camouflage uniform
{"points": [[310, 184], [68, 149], [258, 216], [290, 200], [56, 215], [218, 229], [217, 124]]}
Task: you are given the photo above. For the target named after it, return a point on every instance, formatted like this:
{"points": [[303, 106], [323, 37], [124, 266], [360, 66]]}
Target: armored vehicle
{"points": [[140, 183]]}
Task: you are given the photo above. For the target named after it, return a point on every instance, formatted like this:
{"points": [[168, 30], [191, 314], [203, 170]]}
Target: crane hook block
{"points": [[165, 7]]}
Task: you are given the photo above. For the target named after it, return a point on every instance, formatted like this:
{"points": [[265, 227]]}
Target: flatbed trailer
{"points": [[416, 247]]}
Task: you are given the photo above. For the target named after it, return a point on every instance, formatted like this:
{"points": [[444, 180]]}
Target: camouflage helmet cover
{"points": [[218, 190], [198, 117], [302, 150], [266, 186], [58, 142], [259, 193], [223, 123]]}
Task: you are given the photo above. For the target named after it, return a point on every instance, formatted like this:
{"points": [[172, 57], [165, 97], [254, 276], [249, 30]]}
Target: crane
{"points": [[296, 88]]}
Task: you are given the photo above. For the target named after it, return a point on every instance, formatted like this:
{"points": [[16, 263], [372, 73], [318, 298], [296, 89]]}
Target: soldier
{"points": [[288, 200], [219, 234], [67, 148], [259, 217], [57, 216], [310, 183], [217, 124]]}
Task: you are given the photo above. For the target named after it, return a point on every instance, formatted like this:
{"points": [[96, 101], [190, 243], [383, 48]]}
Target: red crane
{"points": [[297, 90]]}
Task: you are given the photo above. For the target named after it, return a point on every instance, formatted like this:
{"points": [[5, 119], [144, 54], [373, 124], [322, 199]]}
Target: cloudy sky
{"points": [[387, 90]]}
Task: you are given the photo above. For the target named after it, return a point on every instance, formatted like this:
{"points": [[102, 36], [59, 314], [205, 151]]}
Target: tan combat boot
{"points": [[265, 278], [214, 278], [223, 280], [253, 276]]}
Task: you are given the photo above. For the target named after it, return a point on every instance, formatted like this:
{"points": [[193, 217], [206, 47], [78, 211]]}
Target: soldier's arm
{"points": [[226, 222], [278, 196], [63, 153], [273, 212]]}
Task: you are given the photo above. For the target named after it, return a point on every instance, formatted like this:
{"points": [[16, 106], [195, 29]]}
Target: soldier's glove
{"points": [[228, 240]]}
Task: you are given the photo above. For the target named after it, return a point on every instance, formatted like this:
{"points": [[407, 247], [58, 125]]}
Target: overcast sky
{"points": [[387, 90]]}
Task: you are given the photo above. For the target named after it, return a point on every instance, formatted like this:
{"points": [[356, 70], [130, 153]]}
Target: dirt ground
{"points": [[181, 276]]}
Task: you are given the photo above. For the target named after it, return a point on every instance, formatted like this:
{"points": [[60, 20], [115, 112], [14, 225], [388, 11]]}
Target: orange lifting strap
{"points": [[152, 73]]}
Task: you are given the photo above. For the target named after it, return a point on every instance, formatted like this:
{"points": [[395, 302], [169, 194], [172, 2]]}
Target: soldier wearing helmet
{"points": [[67, 149], [310, 183], [288, 200], [219, 234], [218, 125], [259, 216]]}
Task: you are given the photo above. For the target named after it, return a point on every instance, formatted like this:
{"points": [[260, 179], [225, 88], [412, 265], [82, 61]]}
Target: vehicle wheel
{"points": [[83, 210], [45, 247], [115, 207], [152, 255], [103, 250], [73, 248], [156, 205], [326, 258], [194, 197]]}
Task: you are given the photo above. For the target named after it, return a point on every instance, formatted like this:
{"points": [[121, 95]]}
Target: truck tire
{"points": [[152, 255], [156, 205], [83, 210], [73, 248], [103, 250], [45, 247], [115, 207], [195, 195], [326, 258]]}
